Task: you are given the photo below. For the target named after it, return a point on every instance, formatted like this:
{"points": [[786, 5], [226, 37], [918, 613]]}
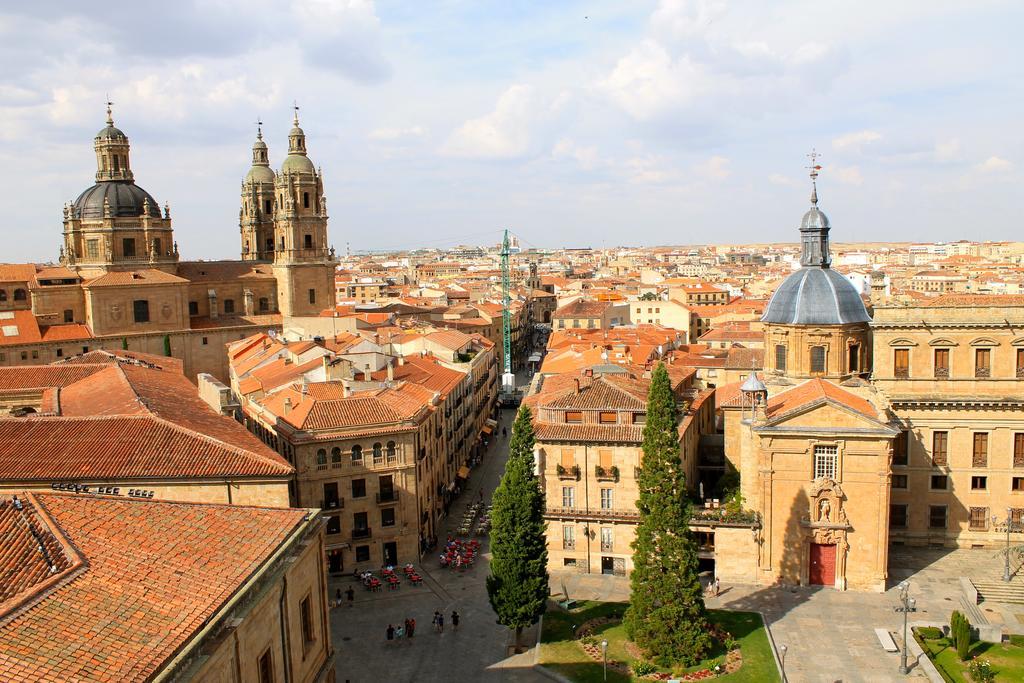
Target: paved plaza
{"points": [[477, 652]]}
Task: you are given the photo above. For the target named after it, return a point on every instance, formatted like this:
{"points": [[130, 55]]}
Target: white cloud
{"points": [[648, 170], [505, 133], [716, 168], [948, 150], [854, 141], [779, 179], [848, 175], [995, 165], [392, 134], [587, 157]]}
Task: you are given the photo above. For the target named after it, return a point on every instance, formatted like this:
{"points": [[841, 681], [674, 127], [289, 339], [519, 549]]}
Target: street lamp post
{"points": [[907, 605], [604, 658], [1009, 527], [782, 661]]}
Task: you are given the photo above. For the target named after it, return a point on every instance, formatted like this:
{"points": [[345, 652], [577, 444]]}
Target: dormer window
{"points": [[573, 417]]}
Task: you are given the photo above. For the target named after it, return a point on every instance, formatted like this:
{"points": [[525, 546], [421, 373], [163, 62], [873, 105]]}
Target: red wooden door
{"points": [[823, 565]]}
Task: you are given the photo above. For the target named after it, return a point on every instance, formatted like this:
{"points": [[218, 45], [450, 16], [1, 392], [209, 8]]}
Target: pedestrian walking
{"points": [[337, 598], [412, 627], [440, 623], [435, 622], [390, 632], [407, 626], [718, 586], [504, 432], [350, 595], [455, 620]]}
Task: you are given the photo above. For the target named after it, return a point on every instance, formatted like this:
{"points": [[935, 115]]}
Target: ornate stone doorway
{"points": [[822, 568]]}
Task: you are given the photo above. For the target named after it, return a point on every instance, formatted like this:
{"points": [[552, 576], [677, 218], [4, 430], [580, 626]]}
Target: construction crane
{"points": [[508, 379]]}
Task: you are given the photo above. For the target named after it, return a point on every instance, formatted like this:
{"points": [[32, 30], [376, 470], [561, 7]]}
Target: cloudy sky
{"points": [[573, 123]]}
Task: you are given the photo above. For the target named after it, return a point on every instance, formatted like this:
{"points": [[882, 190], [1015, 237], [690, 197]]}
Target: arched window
{"points": [[321, 459], [335, 457], [3, 295], [19, 294], [378, 454], [305, 200], [357, 455], [392, 452]]}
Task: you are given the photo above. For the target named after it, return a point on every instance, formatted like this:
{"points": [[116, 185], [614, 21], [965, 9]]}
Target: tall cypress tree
{"points": [[666, 616], [518, 582]]}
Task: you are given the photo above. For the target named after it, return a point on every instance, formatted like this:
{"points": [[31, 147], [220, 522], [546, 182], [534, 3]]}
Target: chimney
{"points": [[287, 404], [401, 360], [346, 390], [327, 368], [391, 371], [577, 380]]}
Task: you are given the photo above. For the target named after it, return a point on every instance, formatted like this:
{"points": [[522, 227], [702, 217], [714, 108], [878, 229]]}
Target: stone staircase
{"points": [[1000, 591]]}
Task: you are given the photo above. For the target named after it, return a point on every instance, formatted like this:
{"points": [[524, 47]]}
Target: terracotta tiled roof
{"points": [[18, 327], [582, 309], [65, 332], [607, 392], [154, 573], [219, 271], [450, 339], [39, 376], [728, 395], [744, 359], [426, 372], [134, 278], [813, 391], [981, 300], [579, 432], [29, 555], [17, 272]]}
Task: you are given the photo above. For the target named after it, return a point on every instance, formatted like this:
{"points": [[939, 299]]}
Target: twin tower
{"points": [[283, 220]]}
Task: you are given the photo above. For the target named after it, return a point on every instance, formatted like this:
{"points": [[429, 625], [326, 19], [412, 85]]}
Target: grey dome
{"points": [[814, 219], [110, 132], [126, 200], [815, 296]]}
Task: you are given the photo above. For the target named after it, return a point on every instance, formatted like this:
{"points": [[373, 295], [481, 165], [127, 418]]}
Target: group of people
{"points": [[408, 628]]}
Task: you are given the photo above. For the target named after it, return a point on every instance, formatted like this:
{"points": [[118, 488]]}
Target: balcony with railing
{"points": [[607, 547], [358, 534], [596, 515], [384, 497], [568, 544], [941, 373], [332, 504], [983, 372]]}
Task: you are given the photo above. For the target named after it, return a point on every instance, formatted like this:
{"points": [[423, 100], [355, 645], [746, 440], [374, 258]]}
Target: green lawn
{"points": [[1007, 659], [560, 652]]}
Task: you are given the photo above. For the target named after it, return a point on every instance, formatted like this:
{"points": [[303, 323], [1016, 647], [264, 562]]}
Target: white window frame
{"points": [[826, 462], [568, 496], [607, 499]]}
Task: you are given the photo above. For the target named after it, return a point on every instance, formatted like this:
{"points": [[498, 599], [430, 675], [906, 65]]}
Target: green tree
{"points": [[963, 638], [666, 616], [167, 344], [518, 582], [649, 296], [124, 343]]}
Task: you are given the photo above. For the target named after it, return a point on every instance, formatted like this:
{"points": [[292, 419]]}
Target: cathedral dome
{"points": [[110, 132], [297, 163], [260, 174], [126, 199], [814, 219], [815, 296]]}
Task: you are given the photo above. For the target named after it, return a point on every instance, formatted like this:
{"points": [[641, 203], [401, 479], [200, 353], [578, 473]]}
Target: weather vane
{"points": [[259, 127], [815, 166], [295, 106]]}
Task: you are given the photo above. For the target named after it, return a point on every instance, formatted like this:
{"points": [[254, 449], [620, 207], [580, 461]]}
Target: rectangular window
{"points": [[60, 353], [306, 618], [979, 519], [939, 482], [940, 444], [568, 561], [568, 537], [983, 362], [825, 462], [604, 457], [941, 363], [1020, 362], [128, 247], [639, 418], [1018, 450], [937, 516], [307, 240], [979, 483], [607, 417], [265, 665], [330, 495], [900, 446], [387, 516], [229, 305], [193, 308], [333, 524], [980, 455], [140, 310], [69, 315], [898, 516], [362, 553], [92, 249], [899, 481], [568, 458], [818, 360], [360, 523], [780, 357], [1017, 516], [206, 341], [358, 488], [606, 499], [312, 296], [568, 496], [1017, 484], [573, 417], [901, 363], [607, 539], [854, 358]]}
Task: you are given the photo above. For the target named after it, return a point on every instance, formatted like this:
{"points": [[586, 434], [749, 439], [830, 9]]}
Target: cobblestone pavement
{"points": [[830, 635], [477, 652]]}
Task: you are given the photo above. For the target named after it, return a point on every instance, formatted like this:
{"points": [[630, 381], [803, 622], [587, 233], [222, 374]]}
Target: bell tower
{"points": [[303, 262], [256, 213]]}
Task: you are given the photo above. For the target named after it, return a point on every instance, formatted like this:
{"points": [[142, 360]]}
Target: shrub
{"points": [[930, 632], [963, 638], [642, 668], [981, 671]]}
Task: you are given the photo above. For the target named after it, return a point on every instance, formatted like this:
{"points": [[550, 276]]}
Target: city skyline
{"points": [[581, 125]]}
